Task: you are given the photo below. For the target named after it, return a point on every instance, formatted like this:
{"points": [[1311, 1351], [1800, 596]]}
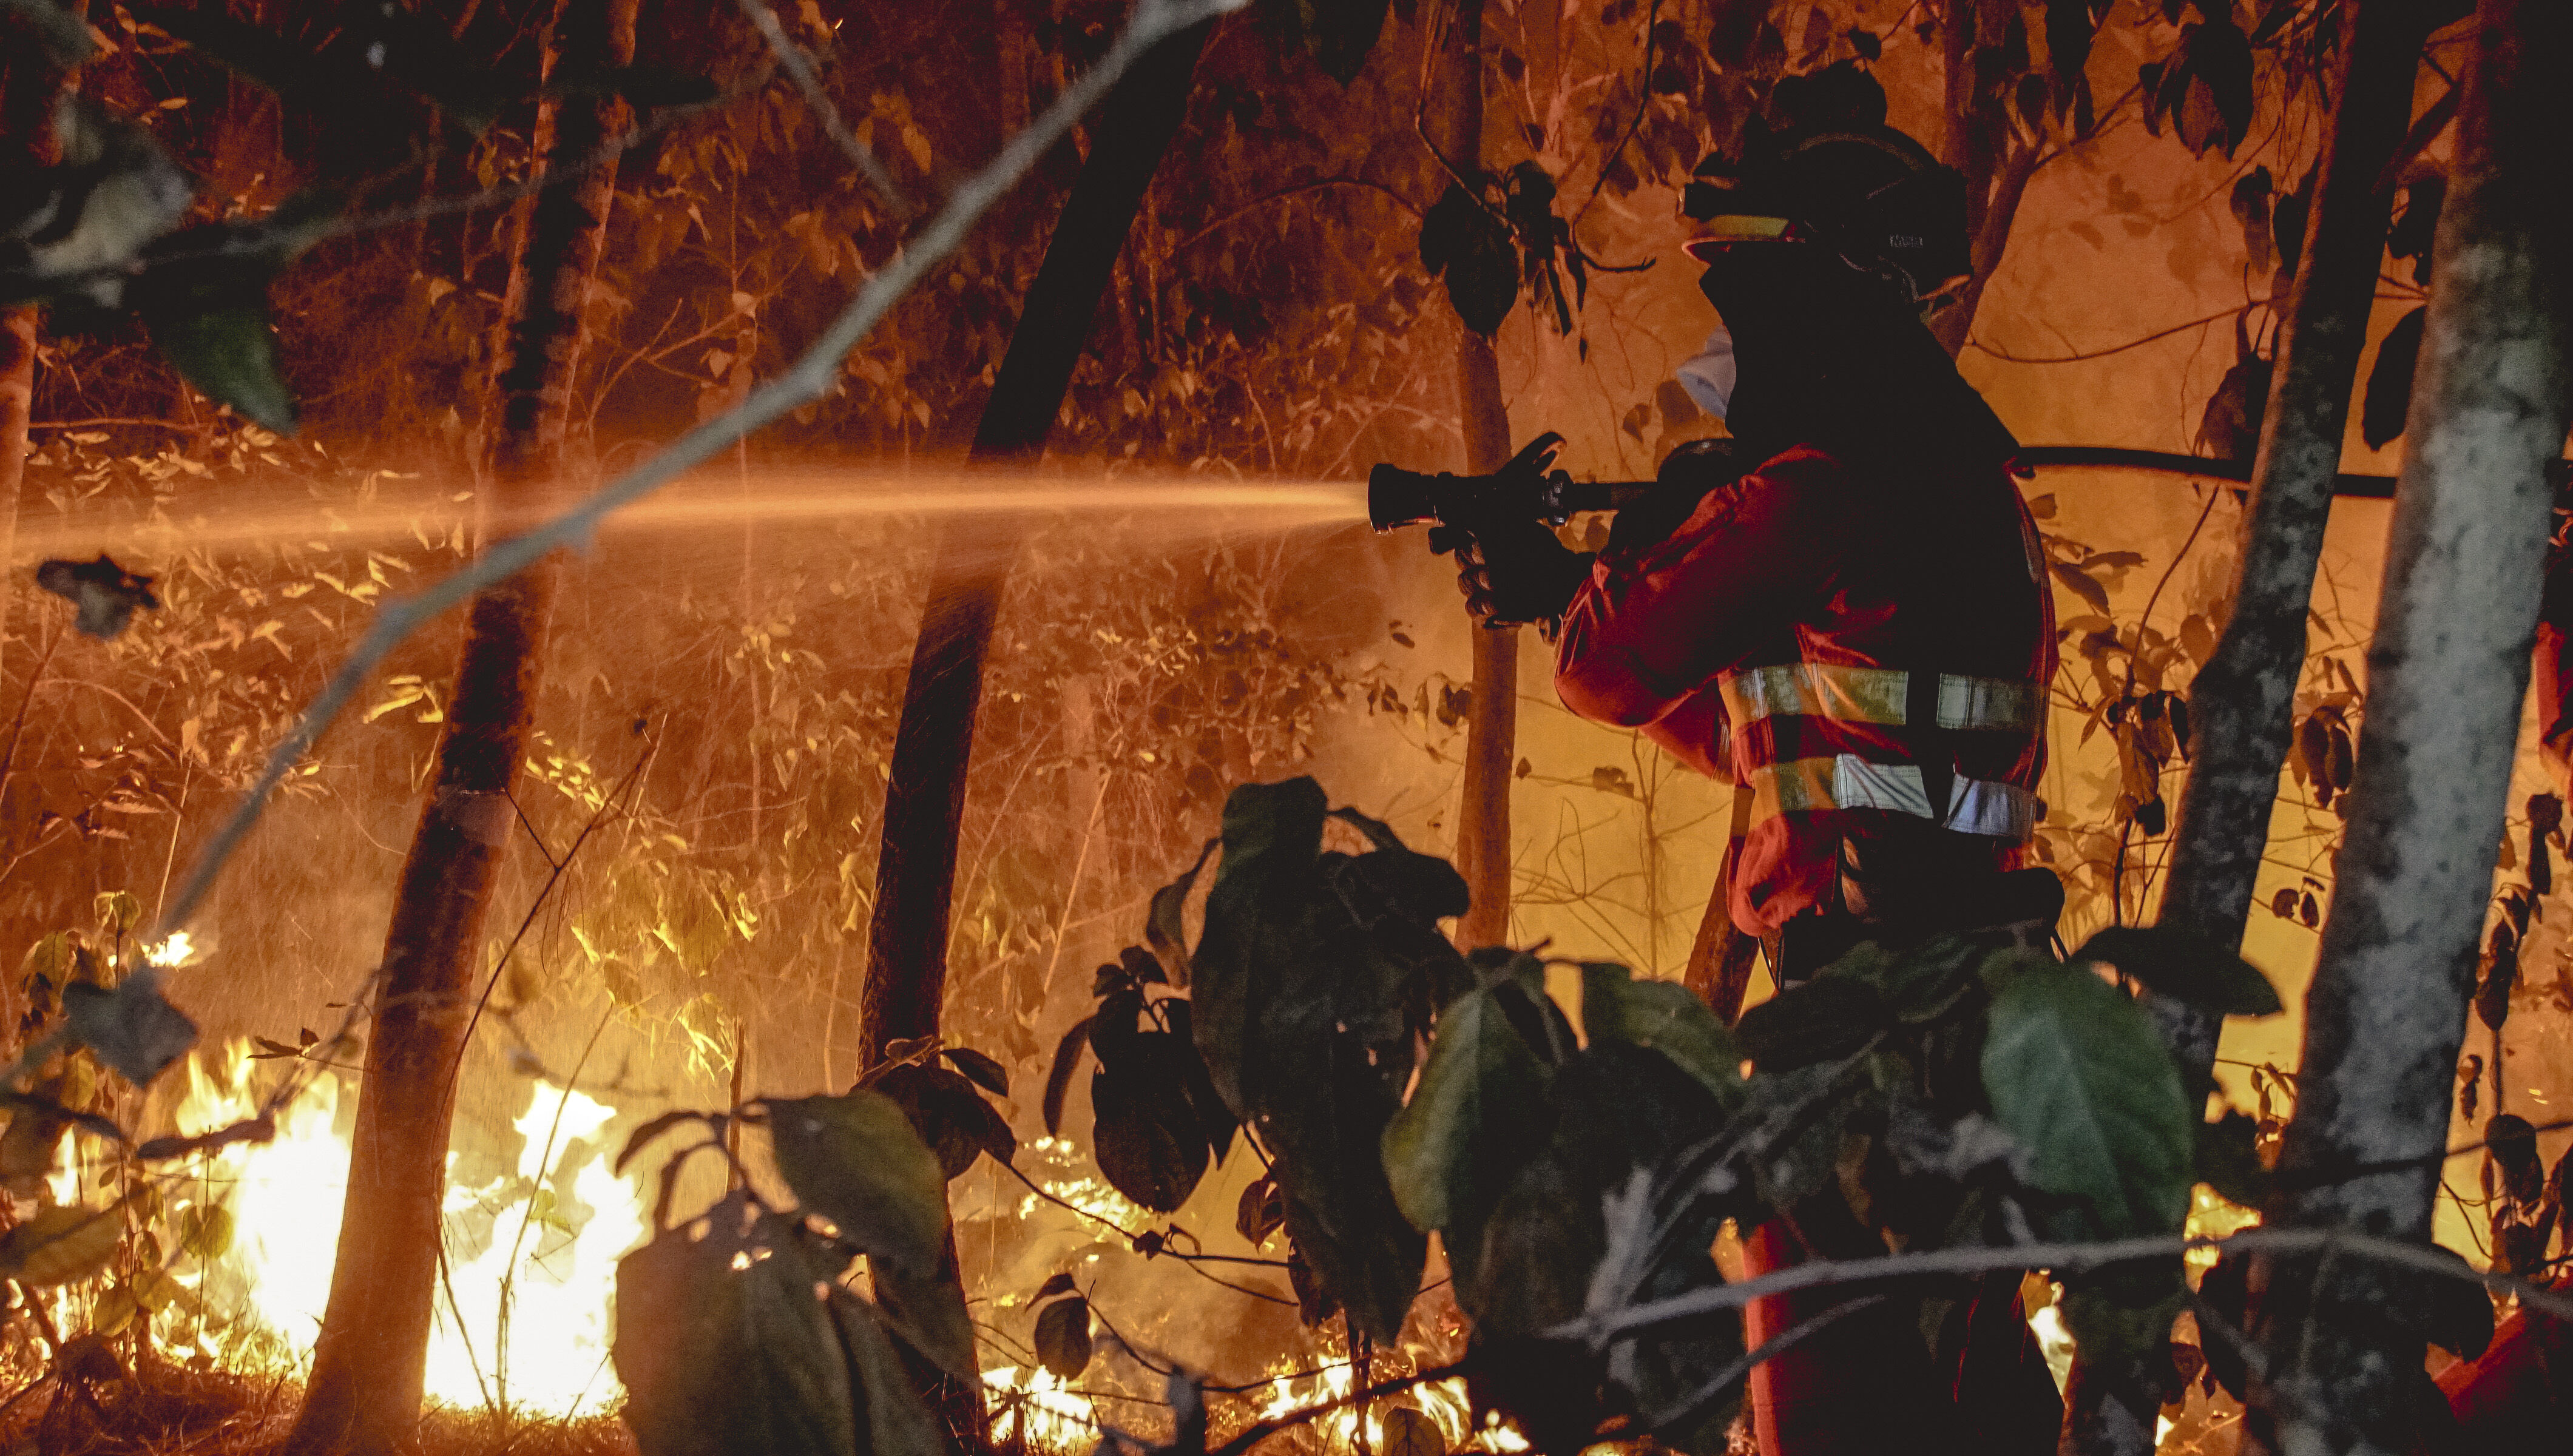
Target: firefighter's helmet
{"points": [[1832, 173]]}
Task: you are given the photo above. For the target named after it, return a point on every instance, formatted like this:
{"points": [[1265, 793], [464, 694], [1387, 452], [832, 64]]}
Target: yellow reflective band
{"points": [[1874, 695], [1846, 781], [1798, 786], [1812, 690], [1986, 702], [1742, 227]]}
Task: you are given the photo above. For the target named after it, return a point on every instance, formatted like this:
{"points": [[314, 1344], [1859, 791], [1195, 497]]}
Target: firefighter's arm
{"points": [[1696, 732], [1650, 630]]}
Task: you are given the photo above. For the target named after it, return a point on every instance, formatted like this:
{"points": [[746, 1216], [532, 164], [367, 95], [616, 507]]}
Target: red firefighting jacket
{"points": [[1783, 640]]}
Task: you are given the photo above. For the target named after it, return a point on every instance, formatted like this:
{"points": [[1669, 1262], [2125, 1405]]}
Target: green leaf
{"points": [[1823, 1020], [62, 1243], [952, 1118], [2226, 1159], [1533, 1269], [133, 1028], [1473, 251], [2186, 968], [2121, 1318], [2076, 1073], [929, 1313], [1145, 1135], [2389, 381], [979, 1068], [719, 1359], [206, 1231], [1477, 1113], [1271, 832], [1063, 1337], [118, 911], [1667, 1017], [1922, 983], [1802, 1161], [1165, 929], [1338, 34], [898, 1423], [2459, 1317], [1067, 1060], [855, 1161], [228, 350], [1410, 1432]]}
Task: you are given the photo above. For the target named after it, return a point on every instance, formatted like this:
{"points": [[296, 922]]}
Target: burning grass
{"points": [[153, 1407]]}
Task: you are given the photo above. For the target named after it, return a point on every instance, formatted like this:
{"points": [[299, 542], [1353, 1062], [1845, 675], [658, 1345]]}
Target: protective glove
{"points": [[1512, 569]]}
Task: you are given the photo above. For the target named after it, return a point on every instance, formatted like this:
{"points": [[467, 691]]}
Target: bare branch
{"points": [[799, 67], [1606, 1326], [809, 379]]}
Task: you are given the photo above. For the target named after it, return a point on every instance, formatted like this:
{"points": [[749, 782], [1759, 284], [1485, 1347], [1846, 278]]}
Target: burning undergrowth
{"points": [[158, 1407]]}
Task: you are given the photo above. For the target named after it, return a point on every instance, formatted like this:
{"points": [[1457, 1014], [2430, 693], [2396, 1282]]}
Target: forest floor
{"points": [[161, 1409]]}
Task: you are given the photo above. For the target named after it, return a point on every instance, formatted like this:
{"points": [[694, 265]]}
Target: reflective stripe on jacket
{"points": [[1770, 641], [1851, 752]]}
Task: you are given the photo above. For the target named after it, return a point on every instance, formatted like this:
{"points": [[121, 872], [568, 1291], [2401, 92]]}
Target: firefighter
{"points": [[1857, 633]]}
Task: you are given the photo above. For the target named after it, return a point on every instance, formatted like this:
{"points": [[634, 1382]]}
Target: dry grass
{"points": [[161, 1409]]}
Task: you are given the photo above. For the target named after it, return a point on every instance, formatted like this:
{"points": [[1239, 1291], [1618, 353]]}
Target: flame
{"points": [[1087, 1192], [2210, 1217], [1037, 1407], [1444, 1401], [172, 951], [523, 1310]]}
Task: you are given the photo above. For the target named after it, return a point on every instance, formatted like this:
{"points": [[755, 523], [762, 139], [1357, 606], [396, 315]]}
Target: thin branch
{"points": [[1189, 1259], [1981, 347], [799, 67], [1715, 1386], [1643, 103], [808, 380], [1606, 1326], [607, 806], [1264, 199], [252, 243], [2433, 120], [18, 721]]}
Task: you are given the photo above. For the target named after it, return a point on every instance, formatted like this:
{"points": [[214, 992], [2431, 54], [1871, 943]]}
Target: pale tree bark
{"points": [[2243, 705], [370, 1360], [1492, 712], [2447, 672]]}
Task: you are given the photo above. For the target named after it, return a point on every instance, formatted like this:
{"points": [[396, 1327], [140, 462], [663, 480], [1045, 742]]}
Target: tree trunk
{"points": [[906, 984], [29, 84], [1493, 711], [2243, 706], [1721, 960], [2243, 703], [2447, 673], [17, 399], [368, 1363], [925, 801], [1492, 714]]}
